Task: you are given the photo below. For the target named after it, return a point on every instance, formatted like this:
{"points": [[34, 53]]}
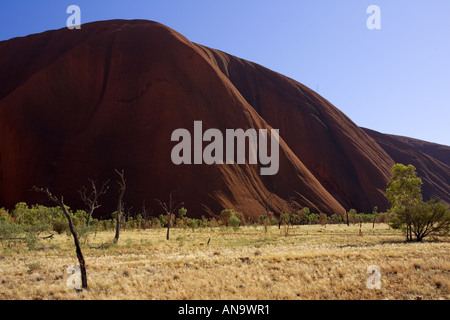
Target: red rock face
{"points": [[77, 104], [430, 159], [349, 164]]}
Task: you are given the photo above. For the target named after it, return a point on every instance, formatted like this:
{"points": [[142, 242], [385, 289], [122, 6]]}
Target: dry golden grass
{"points": [[313, 262]]}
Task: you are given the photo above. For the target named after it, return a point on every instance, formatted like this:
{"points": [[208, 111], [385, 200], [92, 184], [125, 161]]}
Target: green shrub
{"points": [[155, 223], [194, 223], [32, 267], [296, 219], [323, 219], [31, 240], [180, 223], [335, 218], [139, 221], [163, 220], [60, 226], [182, 212], [213, 223], [84, 232], [225, 216], [273, 221], [131, 223], [234, 222], [9, 230], [79, 218], [313, 218], [95, 223], [34, 219]]}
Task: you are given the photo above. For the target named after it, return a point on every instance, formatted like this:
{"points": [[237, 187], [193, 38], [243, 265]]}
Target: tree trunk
{"points": [[168, 225], [89, 217], [119, 204], [118, 217], [169, 208], [80, 257], [60, 202], [409, 226]]}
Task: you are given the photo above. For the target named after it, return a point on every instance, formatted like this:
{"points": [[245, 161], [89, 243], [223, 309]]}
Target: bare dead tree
{"points": [[60, 202], [122, 186], [90, 198], [169, 208]]}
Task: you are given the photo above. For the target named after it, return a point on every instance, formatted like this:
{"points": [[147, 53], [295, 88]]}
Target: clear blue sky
{"points": [[394, 80]]}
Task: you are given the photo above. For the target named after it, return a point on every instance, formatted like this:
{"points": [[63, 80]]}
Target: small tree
{"points": [[225, 216], [301, 216], [430, 218], [182, 212], [169, 208], [336, 218], [234, 222], [323, 219], [90, 198], [80, 257], [139, 221], [312, 218], [408, 209], [295, 218], [404, 193], [162, 220]]}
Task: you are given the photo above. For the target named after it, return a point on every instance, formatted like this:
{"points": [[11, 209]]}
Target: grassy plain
{"points": [[312, 262]]}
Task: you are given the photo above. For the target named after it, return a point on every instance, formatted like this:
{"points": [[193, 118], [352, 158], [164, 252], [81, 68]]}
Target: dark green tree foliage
{"points": [[430, 218], [409, 211], [404, 193]]}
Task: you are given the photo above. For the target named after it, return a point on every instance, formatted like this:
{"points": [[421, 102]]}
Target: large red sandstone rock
{"points": [[349, 164], [76, 104], [111, 98], [424, 156]]}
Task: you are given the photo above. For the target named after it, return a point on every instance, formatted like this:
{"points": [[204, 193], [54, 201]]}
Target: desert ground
{"points": [[312, 262]]}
